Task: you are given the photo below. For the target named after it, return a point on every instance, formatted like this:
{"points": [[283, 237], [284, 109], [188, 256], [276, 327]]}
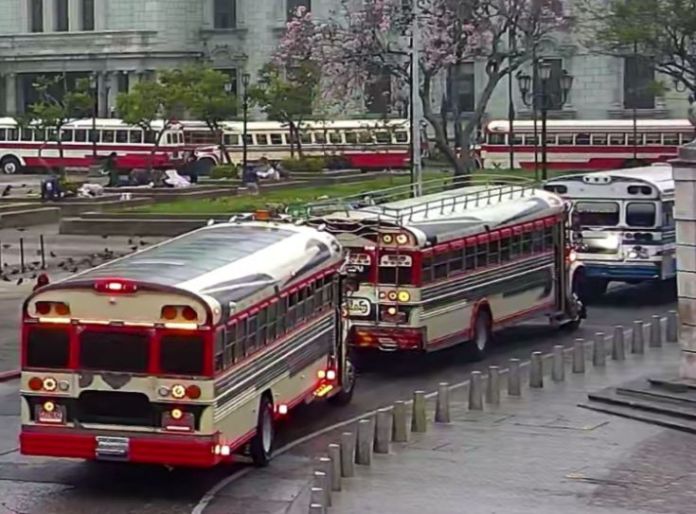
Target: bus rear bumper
{"points": [[386, 339], [178, 451]]}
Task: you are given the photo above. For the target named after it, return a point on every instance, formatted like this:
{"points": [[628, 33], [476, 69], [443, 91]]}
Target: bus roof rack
{"points": [[490, 187]]}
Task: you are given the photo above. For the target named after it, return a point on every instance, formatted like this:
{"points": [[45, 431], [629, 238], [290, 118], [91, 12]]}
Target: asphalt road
{"points": [[39, 486]]}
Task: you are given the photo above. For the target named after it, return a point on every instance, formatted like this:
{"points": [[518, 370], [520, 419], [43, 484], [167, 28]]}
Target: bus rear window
{"points": [[395, 276], [114, 351], [48, 348], [596, 214], [181, 355], [640, 214]]}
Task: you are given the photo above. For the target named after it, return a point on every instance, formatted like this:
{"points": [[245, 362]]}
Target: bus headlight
{"points": [[404, 296], [638, 252], [402, 239]]}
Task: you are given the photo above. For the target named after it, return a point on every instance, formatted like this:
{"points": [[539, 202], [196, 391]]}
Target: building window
{"points": [[554, 92], [225, 14], [293, 5], [61, 13], [123, 81], [36, 15], [87, 14], [461, 88], [378, 94], [639, 77]]}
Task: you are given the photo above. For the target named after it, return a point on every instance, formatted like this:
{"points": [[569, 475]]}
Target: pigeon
{"points": [[144, 243], [105, 236], [5, 278], [61, 264], [52, 254], [19, 282], [34, 275], [6, 191], [14, 272], [21, 229], [6, 246], [133, 248], [74, 270]]}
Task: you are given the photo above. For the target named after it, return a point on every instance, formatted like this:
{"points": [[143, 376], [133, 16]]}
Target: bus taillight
{"points": [[178, 420], [115, 286]]}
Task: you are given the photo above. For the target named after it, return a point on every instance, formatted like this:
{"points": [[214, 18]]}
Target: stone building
{"points": [[124, 41]]}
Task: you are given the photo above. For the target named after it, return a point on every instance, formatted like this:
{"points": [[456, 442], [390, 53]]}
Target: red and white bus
{"points": [[592, 145], [187, 352], [361, 144], [31, 148]]}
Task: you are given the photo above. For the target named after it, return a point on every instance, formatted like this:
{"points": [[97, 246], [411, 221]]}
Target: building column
{"points": [[49, 20], [11, 94], [111, 80], [74, 16], [616, 66], [133, 79], [684, 169], [208, 9], [100, 8]]}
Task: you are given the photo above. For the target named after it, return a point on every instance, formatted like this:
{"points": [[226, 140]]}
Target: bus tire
{"points": [[482, 335], [261, 444], [345, 395], [591, 289], [10, 165]]}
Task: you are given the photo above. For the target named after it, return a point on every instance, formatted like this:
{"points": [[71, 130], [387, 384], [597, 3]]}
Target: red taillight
{"points": [[62, 309], [169, 312], [193, 392], [189, 314], [115, 286], [35, 384], [43, 308]]}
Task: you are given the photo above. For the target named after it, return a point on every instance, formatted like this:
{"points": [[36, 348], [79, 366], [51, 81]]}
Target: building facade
{"points": [[120, 42]]}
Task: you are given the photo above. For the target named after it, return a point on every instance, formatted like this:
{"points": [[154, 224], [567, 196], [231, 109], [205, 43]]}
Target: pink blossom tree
{"points": [[372, 37]]}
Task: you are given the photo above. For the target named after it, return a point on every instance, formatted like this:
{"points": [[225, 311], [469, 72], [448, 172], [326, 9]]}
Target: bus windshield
{"points": [[640, 214], [396, 269], [596, 214]]}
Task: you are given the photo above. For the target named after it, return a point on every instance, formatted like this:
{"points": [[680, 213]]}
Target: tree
{"points": [[663, 31], [56, 106], [204, 96], [151, 101], [358, 43]]}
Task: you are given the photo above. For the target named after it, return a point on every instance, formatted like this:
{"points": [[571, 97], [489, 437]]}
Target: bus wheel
{"points": [[262, 443], [483, 334], [345, 396], [10, 165], [591, 289]]}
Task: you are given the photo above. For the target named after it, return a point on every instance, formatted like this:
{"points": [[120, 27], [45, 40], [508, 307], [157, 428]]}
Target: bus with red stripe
{"points": [[453, 266], [587, 145], [186, 353], [85, 142]]}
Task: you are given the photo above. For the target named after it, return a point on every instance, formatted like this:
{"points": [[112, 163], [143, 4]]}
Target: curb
{"points": [[6, 376]]}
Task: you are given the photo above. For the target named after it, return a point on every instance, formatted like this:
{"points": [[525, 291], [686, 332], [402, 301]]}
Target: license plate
{"points": [[56, 416], [358, 307], [112, 448]]}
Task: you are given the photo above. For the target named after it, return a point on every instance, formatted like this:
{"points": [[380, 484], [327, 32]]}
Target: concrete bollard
{"points": [[383, 431], [317, 500], [493, 387], [363, 451], [335, 456], [442, 407], [315, 508], [323, 465], [618, 348], [579, 356], [347, 454], [637, 339], [419, 420], [321, 481], [558, 364], [475, 391], [656, 331], [672, 327], [599, 350], [399, 423], [514, 378], [536, 371]]}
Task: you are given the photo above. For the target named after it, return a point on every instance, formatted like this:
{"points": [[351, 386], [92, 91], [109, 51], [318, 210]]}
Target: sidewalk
{"points": [[540, 454]]}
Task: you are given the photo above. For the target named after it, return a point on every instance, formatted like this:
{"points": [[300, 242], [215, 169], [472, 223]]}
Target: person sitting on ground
{"points": [[111, 169], [250, 178]]}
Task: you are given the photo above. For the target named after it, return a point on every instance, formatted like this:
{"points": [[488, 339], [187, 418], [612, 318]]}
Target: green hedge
{"points": [[226, 171], [304, 164]]}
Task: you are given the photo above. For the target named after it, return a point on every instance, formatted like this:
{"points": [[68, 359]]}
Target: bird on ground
{"points": [[21, 229], [6, 279], [52, 254], [19, 282], [6, 246], [7, 189], [144, 243], [105, 236]]}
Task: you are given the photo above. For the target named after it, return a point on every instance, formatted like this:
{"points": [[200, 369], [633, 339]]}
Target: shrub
{"points": [[304, 164], [226, 171]]}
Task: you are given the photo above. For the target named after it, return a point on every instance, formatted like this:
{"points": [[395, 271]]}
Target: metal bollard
{"points": [[599, 350], [399, 423], [383, 431], [315, 508], [419, 420], [321, 481], [323, 465], [442, 407], [656, 331], [335, 456], [493, 388], [672, 327], [618, 348], [514, 378], [347, 454], [536, 371], [475, 391], [579, 356], [363, 451], [637, 339], [317, 502], [558, 364]]}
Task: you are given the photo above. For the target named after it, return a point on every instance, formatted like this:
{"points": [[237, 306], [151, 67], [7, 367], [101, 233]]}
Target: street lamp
{"points": [[245, 92], [93, 84], [541, 97]]}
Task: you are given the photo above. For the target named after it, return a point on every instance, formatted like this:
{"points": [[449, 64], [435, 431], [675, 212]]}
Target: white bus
{"points": [[622, 226], [454, 266], [187, 352]]}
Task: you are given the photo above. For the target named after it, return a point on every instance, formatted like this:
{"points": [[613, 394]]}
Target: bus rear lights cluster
{"points": [[179, 313], [178, 420], [392, 296], [222, 449], [282, 409], [400, 239], [328, 374], [179, 392], [48, 384], [59, 309]]}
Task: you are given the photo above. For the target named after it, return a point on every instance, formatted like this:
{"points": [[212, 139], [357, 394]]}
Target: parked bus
{"points": [[187, 352], [27, 148], [623, 226], [453, 266], [588, 145], [361, 144]]}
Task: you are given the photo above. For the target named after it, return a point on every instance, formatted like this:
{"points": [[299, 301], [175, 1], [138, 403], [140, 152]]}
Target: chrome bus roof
{"points": [[582, 185]]}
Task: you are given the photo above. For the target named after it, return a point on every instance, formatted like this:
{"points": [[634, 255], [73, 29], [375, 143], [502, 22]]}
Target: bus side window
{"points": [[220, 343], [302, 305], [505, 249], [306, 138], [668, 215], [496, 139], [12, 134], [66, 136], [440, 268], [426, 269], [515, 245], [80, 136], [617, 139], [250, 342], [281, 316], [108, 136], [262, 331], [320, 138], [262, 139], [335, 290], [469, 258], [538, 241], [3, 134], [548, 238], [599, 139], [565, 139], [670, 139], [351, 137], [494, 251], [481, 255], [687, 137], [456, 261], [527, 238], [240, 336], [582, 139], [400, 136], [271, 322], [293, 300]]}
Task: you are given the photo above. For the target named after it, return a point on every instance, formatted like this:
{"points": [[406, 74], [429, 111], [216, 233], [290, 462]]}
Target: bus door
{"points": [[562, 265]]}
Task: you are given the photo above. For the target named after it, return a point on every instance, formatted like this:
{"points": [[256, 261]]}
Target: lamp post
{"points": [[245, 92], [541, 97], [94, 84], [221, 136]]}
